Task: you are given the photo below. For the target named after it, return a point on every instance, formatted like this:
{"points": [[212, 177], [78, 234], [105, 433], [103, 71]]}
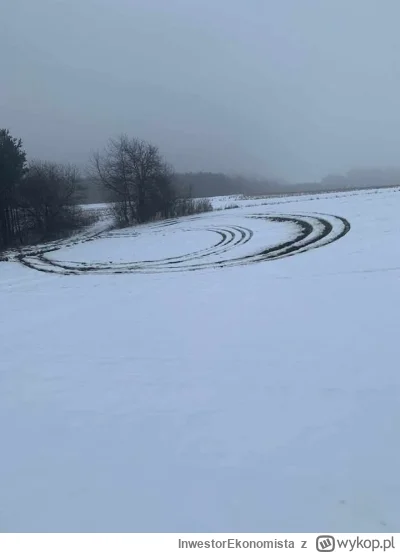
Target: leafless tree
{"points": [[137, 177], [48, 195]]}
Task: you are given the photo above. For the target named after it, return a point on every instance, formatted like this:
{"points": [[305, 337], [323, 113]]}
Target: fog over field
{"points": [[287, 89]]}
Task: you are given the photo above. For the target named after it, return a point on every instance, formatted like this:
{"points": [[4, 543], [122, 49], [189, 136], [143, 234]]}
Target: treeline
{"points": [[218, 184], [364, 178], [41, 200], [38, 200], [203, 185], [355, 179]]}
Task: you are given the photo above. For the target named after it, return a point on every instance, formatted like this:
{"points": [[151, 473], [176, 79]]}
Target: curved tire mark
{"points": [[313, 231]]}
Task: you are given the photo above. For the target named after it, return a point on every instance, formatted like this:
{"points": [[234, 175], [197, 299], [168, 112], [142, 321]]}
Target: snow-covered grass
{"points": [[250, 394]]}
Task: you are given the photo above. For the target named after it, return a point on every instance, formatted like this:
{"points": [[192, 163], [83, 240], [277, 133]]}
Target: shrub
{"points": [[191, 206]]}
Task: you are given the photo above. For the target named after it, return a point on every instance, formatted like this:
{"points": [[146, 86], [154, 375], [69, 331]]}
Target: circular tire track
{"points": [[309, 231]]}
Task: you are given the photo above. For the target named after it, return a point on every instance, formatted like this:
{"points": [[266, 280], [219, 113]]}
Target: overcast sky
{"points": [[292, 88]]}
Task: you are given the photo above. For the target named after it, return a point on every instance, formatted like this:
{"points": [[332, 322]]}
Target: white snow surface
{"points": [[252, 397]]}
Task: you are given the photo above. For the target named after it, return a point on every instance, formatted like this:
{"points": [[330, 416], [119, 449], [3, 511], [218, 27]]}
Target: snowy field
{"points": [[237, 371]]}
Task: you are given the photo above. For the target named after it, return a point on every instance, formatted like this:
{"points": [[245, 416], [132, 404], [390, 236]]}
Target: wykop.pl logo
{"points": [[325, 544]]}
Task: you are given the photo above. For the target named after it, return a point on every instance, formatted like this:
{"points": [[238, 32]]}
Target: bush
{"points": [[181, 207], [73, 218], [203, 205], [191, 206], [69, 220], [118, 212]]}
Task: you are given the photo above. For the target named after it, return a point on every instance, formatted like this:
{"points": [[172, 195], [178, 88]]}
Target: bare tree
{"points": [[48, 195], [137, 177]]}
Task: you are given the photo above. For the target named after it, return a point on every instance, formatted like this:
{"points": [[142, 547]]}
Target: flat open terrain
{"points": [[237, 371]]}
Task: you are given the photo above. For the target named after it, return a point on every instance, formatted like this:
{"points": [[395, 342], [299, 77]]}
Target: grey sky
{"points": [[293, 88]]}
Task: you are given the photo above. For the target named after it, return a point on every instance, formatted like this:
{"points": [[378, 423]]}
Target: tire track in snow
{"points": [[311, 231]]}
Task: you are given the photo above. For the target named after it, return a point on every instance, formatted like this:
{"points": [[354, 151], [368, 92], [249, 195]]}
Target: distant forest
{"points": [[206, 184], [354, 179], [202, 185]]}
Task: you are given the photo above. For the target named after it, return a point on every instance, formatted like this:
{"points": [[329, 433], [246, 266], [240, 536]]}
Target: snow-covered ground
{"points": [[221, 373]]}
